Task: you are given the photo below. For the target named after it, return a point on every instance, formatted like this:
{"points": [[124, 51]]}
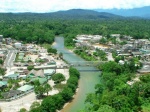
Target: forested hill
{"points": [[70, 14], [84, 14]]}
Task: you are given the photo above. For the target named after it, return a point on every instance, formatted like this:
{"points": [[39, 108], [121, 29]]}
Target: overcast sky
{"points": [[56, 5]]}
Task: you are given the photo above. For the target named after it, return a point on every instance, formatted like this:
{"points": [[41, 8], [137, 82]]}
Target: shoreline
{"points": [[66, 104]]}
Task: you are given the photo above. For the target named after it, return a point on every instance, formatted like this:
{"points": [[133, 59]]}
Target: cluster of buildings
{"points": [[17, 58], [90, 41], [130, 48]]}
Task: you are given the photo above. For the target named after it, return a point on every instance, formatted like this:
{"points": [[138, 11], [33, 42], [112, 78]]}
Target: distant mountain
{"points": [[81, 13], [143, 12], [69, 14]]}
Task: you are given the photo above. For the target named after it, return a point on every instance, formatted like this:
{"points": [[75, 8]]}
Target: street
{"points": [[10, 58]]}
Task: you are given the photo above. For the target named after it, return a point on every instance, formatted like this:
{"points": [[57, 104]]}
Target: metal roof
{"points": [[25, 88]]}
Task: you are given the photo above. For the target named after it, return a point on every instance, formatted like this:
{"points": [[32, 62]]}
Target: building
{"points": [[3, 84], [136, 54], [18, 45], [12, 94], [26, 88], [36, 73], [12, 76], [49, 72], [144, 70]]}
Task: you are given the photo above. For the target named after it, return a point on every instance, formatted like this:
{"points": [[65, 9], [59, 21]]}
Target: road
{"points": [[110, 57], [16, 105], [10, 58]]}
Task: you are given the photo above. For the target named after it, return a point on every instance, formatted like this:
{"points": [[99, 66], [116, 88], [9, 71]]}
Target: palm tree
{"points": [[47, 88]]}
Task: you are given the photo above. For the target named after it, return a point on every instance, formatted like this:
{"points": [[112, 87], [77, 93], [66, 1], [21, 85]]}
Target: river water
{"points": [[87, 82]]}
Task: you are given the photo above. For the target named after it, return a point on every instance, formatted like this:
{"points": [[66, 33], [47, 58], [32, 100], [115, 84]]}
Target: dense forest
{"points": [[42, 28], [115, 95]]}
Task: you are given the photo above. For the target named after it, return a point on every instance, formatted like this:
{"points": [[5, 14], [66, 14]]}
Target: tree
{"points": [[39, 90], [1, 61], [67, 94], [58, 77], [30, 67], [105, 108], [52, 103], [52, 50], [23, 110], [61, 55], [35, 107], [2, 71], [47, 88], [99, 90], [103, 41]]}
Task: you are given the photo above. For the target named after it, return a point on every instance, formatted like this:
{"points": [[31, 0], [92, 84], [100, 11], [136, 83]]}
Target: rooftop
{"points": [[25, 88]]}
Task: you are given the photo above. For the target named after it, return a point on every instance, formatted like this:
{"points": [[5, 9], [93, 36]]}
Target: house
{"points": [[26, 88], [11, 76], [21, 56], [12, 94], [145, 69], [36, 73], [18, 45], [136, 54], [49, 72], [3, 84]]}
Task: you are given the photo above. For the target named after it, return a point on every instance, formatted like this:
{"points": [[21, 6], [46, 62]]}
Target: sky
{"points": [[56, 5]]}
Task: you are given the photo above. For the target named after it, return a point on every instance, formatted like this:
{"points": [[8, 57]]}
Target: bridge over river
{"points": [[85, 63]]}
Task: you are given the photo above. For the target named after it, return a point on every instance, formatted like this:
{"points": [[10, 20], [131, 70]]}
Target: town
{"points": [[24, 66]]}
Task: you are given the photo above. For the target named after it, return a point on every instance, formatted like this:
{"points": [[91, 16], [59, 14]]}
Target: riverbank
{"points": [[69, 101], [86, 83]]}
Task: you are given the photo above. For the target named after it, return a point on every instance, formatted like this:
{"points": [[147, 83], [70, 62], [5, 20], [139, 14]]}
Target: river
{"points": [[87, 81]]}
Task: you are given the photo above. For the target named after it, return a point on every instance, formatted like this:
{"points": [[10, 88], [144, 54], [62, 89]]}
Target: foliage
{"points": [[103, 41], [35, 107], [2, 71], [23, 110], [115, 95], [83, 54], [52, 50], [58, 77], [39, 90], [1, 61], [30, 67], [56, 102], [101, 54], [47, 88], [41, 28]]}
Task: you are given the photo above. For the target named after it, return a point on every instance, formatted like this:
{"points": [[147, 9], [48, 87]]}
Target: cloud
{"points": [[55, 5]]}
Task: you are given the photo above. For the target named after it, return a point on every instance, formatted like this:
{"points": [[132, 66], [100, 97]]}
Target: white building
{"points": [[18, 45]]}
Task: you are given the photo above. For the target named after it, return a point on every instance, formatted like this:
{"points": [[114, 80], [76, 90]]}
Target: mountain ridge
{"points": [[69, 14], [143, 12]]}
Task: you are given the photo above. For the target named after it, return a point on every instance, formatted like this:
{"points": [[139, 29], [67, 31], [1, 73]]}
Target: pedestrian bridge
{"points": [[86, 63]]}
